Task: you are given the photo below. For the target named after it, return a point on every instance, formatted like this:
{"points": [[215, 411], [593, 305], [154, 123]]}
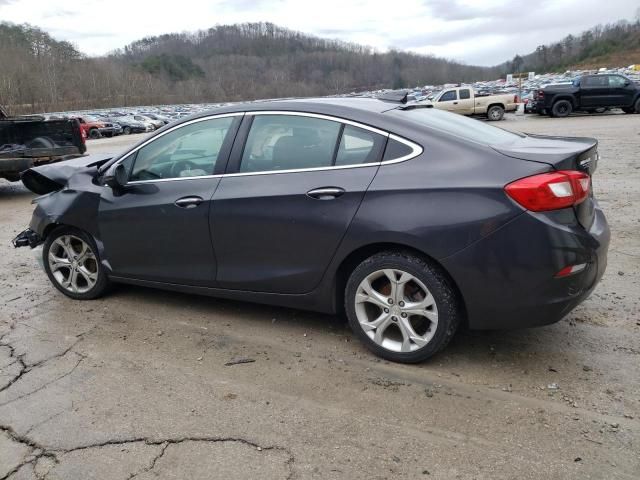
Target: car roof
{"points": [[362, 109]]}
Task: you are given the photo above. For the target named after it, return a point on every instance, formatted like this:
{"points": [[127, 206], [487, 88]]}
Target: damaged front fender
{"points": [[50, 178]]}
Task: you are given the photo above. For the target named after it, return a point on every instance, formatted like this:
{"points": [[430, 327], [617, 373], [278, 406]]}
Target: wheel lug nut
{"points": [[390, 301], [403, 315], [395, 319], [386, 310], [401, 304]]}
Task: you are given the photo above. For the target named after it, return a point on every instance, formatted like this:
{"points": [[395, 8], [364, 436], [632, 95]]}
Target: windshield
{"points": [[459, 125]]}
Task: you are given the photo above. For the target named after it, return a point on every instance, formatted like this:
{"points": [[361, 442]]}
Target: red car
{"points": [[93, 128]]}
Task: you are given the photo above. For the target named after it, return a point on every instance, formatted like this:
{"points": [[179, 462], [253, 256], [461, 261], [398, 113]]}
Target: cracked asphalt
{"points": [[135, 385]]}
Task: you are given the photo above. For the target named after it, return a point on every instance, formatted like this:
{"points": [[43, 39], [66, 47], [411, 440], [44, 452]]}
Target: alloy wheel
{"points": [[73, 264], [396, 310]]}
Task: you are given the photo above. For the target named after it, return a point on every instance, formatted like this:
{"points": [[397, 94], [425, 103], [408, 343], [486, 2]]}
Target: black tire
{"points": [[637, 106], [94, 133], [102, 282], [628, 110], [126, 130], [449, 309], [562, 108], [40, 142], [495, 113]]}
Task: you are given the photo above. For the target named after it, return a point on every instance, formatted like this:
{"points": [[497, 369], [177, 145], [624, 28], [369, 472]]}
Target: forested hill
{"points": [[264, 60], [611, 45]]}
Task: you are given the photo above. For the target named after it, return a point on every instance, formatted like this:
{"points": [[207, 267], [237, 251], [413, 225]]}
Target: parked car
{"points": [[33, 140], [158, 118], [464, 100], [155, 124], [412, 220], [129, 125], [589, 93], [94, 127]]}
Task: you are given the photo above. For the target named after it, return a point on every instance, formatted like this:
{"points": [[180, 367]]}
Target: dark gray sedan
{"points": [[410, 220]]}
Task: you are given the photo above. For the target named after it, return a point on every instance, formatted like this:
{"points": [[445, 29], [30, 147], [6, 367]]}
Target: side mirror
{"points": [[116, 177]]}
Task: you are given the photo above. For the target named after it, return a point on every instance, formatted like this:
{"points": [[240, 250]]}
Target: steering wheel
{"points": [[182, 165]]}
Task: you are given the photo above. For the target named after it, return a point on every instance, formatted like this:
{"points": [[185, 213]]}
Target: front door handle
{"points": [[325, 193], [188, 202]]}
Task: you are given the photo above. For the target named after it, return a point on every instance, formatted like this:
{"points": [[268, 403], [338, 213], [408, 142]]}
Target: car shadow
{"points": [[520, 348]]}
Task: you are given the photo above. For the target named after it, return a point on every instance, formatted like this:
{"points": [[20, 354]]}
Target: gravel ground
{"points": [[135, 384]]}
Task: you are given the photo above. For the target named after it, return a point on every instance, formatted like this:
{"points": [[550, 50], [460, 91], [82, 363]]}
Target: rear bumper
{"points": [[507, 279]]}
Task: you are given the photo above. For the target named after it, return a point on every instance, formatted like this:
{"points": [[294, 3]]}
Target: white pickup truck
{"points": [[463, 100]]}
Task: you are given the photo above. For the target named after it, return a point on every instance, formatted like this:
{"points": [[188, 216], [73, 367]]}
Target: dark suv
{"points": [[589, 93]]}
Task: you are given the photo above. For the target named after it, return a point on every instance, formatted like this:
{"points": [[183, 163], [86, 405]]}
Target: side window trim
{"points": [[237, 144]]}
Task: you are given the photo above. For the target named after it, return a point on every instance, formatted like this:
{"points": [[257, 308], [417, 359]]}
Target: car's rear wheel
{"points": [[94, 133], [562, 108], [126, 130], [637, 106], [495, 113], [71, 261], [403, 308]]}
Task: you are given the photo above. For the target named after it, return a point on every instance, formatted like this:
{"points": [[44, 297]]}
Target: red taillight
{"points": [[516, 99], [540, 93], [550, 191]]}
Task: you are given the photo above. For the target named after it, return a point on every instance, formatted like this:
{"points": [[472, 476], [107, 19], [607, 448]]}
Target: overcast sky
{"points": [[480, 32]]}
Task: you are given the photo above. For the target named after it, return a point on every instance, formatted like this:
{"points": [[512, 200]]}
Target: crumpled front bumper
{"points": [[27, 238]]}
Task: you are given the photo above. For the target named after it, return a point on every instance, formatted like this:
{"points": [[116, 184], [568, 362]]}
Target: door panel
{"points": [[465, 102], [621, 91], [448, 101], [594, 91], [147, 236], [270, 236], [157, 226]]}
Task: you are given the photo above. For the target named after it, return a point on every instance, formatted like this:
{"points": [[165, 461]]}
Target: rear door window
{"points": [[289, 142], [465, 94], [596, 81]]}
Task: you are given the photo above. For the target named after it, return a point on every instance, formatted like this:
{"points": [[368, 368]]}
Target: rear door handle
{"points": [[325, 193], [188, 202]]}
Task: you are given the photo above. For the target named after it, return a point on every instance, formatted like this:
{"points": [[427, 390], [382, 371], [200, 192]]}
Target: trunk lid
{"points": [[561, 153]]}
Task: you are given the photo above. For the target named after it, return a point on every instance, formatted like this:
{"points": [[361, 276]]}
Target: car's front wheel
{"points": [[403, 308], [71, 261]]}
